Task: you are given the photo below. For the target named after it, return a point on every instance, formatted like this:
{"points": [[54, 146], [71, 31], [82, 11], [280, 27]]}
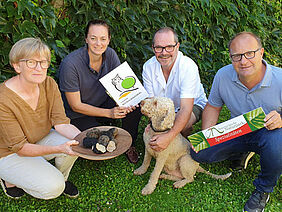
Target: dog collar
{"points": [[158, 130]]}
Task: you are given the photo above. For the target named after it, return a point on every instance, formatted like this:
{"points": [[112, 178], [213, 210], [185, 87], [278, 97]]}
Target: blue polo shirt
{"points": [[227, 89], [75, 74]]}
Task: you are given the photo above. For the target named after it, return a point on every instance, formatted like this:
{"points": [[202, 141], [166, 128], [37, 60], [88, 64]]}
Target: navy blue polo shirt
{"points": [[75, 74]]}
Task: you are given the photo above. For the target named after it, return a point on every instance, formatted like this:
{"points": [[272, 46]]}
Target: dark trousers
{"points": [[129, 123], [266, 143]]}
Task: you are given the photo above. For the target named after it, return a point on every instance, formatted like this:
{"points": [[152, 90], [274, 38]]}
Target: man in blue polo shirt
{"points": [[246, 84]]}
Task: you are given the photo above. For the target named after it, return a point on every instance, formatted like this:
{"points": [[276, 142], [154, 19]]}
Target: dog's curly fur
{"points": [[175, 160]]}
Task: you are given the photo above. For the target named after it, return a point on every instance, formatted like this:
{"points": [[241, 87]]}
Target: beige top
{"points": [[19, 123]]}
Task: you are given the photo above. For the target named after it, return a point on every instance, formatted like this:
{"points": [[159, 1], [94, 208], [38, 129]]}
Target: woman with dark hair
{"points": [[85, 99], [34, 128]]}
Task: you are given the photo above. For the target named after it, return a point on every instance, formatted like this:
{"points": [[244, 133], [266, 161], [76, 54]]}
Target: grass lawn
{"points": [[111, 186]]}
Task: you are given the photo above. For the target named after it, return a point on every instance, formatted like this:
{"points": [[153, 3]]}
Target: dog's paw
{"points": [[139, 171], [181, 183], [148, 189], [163, 176]]}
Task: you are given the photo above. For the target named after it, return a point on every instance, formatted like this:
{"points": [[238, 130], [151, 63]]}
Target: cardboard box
{"points": [[227, 130]]}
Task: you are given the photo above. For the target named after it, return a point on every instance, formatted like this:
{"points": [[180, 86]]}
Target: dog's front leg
{"points": [[146, 163], [151, 185]]}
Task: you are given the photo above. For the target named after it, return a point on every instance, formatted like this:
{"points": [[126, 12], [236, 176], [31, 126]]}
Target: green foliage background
{"points": [[204, 28]]}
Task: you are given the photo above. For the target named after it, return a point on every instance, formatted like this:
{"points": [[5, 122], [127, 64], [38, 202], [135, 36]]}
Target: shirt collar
{"points": [[266, 81]]}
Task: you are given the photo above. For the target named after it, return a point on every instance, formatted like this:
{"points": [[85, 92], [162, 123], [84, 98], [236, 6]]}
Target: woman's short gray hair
{"points": [[28, 47]]}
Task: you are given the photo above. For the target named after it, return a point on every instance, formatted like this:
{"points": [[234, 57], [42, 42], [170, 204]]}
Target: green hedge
{"points": [[204, 28]]}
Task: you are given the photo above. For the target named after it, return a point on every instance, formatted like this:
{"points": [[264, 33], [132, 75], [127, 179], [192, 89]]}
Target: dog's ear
{"points": [[164, 121], [168, 119], [164, 115]]}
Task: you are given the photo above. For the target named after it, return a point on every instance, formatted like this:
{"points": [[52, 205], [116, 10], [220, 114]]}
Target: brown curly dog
{"points": [[175, 160]]}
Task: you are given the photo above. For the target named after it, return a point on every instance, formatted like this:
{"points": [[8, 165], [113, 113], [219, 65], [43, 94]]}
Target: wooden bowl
{"points": [[123, 142]]}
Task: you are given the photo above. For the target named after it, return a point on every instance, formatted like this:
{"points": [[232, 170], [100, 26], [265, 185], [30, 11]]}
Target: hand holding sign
{"points": [[123, 86]]}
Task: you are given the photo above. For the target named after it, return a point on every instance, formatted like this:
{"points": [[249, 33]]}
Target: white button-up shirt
{"points": [[183, 82]]}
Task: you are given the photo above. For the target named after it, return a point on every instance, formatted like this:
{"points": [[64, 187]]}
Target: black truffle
{"points": [[101, 141], [104, 140], [98, 148], [111, 146], [89, 142], [111, 133], [93, 133]]}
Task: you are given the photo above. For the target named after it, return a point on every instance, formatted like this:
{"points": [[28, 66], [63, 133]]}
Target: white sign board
{"points": [[123, 86]]}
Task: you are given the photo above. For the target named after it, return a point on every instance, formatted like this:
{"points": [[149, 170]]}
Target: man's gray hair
{"points": [[166, 29]]}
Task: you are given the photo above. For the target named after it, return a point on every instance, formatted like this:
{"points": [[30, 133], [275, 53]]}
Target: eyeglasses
{"points": [[159, 49], [247, 55], [30, 63]]}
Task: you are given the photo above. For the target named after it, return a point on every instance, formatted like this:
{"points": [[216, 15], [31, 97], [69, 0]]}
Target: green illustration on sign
{"points": [[128, 82], [124, 85], [198, 141], [255, 119]]}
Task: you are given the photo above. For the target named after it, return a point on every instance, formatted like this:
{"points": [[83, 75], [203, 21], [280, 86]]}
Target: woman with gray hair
{"points": [[34, 128]]}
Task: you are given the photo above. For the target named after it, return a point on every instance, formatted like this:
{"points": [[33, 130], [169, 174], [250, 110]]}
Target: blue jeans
{"points": [[266, 143]]}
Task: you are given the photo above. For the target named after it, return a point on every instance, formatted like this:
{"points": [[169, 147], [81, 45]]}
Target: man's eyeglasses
{"points": [[169, 48], [30, 63], [247, 55]]}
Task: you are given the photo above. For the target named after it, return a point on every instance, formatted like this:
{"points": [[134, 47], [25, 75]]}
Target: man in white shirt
{"points": [[171, 74]]}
